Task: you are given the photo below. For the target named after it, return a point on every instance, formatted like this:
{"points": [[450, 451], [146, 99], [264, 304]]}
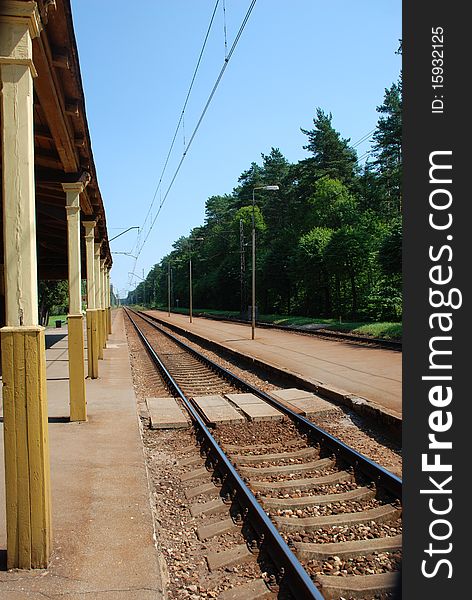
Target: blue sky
{"points": [[137, 60]]}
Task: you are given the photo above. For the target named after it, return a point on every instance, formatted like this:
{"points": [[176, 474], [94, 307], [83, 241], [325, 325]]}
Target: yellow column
{"points": [[104, 301], [78, 403], [98, 298], [92, 332], [27, 475], [109, 300]]}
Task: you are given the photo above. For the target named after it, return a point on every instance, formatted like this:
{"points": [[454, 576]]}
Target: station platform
{"points": [[374, 374], [102, 524]]}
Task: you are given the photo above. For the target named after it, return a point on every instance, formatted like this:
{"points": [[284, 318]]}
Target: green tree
{"points": [[328, 241], [390, 252], [332, 204], [313, 273], [53, 296], [387, 148], [332, 155]]}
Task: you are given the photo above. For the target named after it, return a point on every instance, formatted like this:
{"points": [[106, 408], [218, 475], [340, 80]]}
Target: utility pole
{"points": [[144, 289], [190, 288], [190, 282], [243, 266], [168, 288], [272, 188]]}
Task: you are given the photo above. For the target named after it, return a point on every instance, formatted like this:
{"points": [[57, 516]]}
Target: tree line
{"points": [[328, 241]]}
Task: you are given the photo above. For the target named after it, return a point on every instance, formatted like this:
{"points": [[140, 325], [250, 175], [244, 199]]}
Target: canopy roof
{"points": [[63, 150]]}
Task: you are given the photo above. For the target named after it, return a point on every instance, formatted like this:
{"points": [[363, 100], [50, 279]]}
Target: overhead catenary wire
{"points": [[202, 115], [365, 155], [224, 28], [137, 243], [186, 149], [363, 138], [182, 112]]}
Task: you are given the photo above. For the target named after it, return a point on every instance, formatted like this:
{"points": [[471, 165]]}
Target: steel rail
{"points": [[298, 579], [385, 343], [368, 467]]}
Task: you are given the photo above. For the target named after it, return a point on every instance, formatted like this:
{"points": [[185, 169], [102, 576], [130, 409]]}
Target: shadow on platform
{"points": [[51, 419], [53, 338]]}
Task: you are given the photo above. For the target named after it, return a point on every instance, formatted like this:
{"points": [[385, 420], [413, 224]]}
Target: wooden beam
{"points": [[43, 133], [48, 159], [85, 203], [60, 58], [72, 108], [44, 7], [49, 199], [48, 189], [79, 141], [53, 245], [55, 176], [53, 213], [53, 107]]}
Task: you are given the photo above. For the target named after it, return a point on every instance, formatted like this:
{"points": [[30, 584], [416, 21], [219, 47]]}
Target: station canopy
{"points": [[62, 145]]}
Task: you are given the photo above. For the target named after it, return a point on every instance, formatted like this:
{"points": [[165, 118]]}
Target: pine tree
{"points": [[387, 148], [332, 155]]}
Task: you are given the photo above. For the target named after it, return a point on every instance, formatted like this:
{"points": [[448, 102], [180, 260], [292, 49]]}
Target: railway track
{"points": [[326, 518], [388, 344]]}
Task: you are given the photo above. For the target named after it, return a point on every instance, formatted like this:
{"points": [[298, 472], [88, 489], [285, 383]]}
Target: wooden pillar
{"points": [[109, 300], [27, 473], [77, 400], [104, 301], [92, 330], [98, 298]]}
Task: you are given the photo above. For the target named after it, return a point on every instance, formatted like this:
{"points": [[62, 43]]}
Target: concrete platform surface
{"points": [[371, 373], [103, 529]]}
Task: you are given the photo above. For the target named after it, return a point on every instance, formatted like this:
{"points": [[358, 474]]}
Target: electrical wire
{"points": [[224, 28], [183, 109], [363, 138], [207, 104], [364, 155]]}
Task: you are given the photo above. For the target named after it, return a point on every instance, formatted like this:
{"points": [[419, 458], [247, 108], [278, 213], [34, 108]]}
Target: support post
{"points": [[109, 300], [98, 298], [78, 403], [92, 328], [104, 302], [26, 445]]}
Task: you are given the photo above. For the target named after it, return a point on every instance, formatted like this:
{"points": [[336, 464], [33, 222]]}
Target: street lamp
{"points": [[200, 239], [272, 188]]}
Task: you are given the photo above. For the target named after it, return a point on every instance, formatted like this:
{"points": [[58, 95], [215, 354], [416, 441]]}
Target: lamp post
{"points": [[190, 275], [272, 188]]}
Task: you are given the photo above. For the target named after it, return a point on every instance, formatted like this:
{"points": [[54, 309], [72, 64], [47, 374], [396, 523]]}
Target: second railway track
{"points": [[325, 517]]}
